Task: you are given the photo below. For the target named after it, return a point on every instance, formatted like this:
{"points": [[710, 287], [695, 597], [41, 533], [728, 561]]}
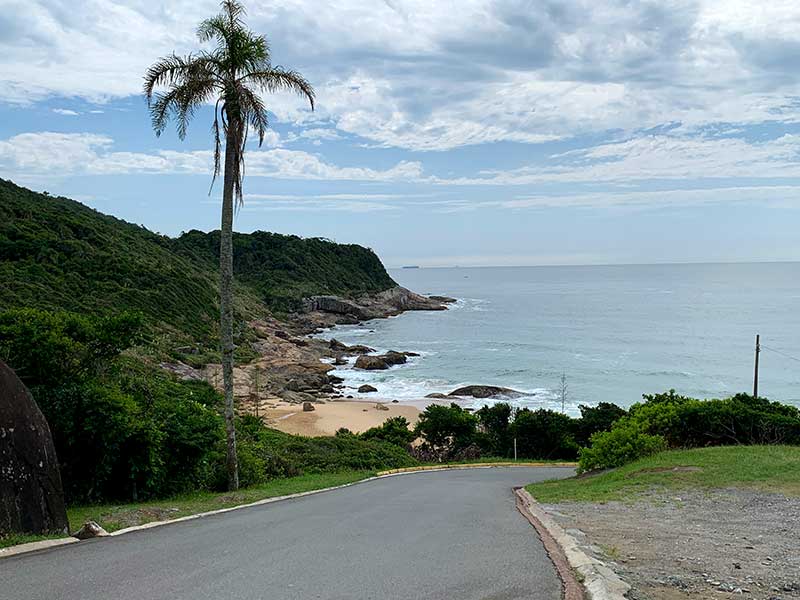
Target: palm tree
{"points": [[230, 76]]}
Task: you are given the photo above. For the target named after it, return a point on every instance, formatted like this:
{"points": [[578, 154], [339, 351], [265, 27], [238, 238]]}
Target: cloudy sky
{"points": [[469, 132]]}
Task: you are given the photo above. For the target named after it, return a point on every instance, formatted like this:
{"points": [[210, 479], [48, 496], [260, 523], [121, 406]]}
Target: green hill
{"points": [[56, 253]]}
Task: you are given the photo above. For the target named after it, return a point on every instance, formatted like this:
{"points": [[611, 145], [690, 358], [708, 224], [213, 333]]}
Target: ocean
{"points": [[613, 332]]}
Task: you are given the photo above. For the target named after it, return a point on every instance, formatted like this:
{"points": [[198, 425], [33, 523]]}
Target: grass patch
{"points": [[770, 468], [118, 516]]}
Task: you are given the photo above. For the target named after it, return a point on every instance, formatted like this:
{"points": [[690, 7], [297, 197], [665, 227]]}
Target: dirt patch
{"points": [[694, 544], [678, 469], [138, 516]]}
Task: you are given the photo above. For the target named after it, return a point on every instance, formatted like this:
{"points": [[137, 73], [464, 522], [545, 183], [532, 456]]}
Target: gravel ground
{"points": [[715, 544]]}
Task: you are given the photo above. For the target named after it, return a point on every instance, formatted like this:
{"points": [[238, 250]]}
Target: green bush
{"points": [[449, 428], [122, 429], [690, 423], [625, 442], [394, 430], [59, 348], [284, 454], [544, 434], [495, 437], [595, 419]]}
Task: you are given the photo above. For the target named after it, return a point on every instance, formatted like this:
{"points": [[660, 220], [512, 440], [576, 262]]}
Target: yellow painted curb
{"points": [[476, 466]]}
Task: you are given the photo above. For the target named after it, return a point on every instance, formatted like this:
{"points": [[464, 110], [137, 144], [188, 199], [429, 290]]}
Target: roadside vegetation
{"points": [[773, 469]]}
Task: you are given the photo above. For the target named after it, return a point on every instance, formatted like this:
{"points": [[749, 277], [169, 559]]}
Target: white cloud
{"points": [[438, 75], [779, 195], [66, 112], [655, 157], [59, 154]]}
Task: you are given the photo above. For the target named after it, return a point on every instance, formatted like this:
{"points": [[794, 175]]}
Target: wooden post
{"points": [[755, 373]]}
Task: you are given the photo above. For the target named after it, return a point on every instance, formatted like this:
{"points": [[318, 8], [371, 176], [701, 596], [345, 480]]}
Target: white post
{"points": [[515, 449]]}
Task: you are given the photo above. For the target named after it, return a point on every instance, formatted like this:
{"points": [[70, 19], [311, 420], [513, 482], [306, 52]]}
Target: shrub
{"points": [[394, 430], [595, 419], [495, 422], [447, 428], [690, 423], [625, 442], [60, 348], [544, 434]]}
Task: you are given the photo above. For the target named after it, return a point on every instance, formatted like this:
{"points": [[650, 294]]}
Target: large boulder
{"points": [[394, 358], [367, 389], [371, 363], [338, 346], [485, 391], [31, 496]]}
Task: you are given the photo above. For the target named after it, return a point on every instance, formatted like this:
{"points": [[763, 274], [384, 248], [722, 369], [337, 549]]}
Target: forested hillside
{"points": [[56, 253]]}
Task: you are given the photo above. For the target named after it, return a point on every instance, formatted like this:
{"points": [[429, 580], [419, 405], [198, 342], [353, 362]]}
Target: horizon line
{"points": [[632, 264]]}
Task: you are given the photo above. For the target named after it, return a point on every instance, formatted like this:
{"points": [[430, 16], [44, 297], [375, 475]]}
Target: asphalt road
{"points": [[435, 535]]}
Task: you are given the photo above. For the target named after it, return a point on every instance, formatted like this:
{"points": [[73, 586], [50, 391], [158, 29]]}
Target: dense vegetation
{"points": [[58, 254], [451, 432], [771, 468], [672, 421], [606, 435], [125, 430], [283, 269]]}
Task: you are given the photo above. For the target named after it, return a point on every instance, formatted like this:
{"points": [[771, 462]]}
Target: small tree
{"points": [[563, 389]]}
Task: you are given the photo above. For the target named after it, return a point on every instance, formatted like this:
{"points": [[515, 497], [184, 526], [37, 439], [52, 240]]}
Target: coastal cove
{"points": [[616, 332]]}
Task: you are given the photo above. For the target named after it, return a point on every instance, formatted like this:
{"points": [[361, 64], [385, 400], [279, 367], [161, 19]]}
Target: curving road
{"points": [[435, 535]]}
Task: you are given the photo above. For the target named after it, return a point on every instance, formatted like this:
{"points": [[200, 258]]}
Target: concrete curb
{"points": [[34, 546], [599, 581], [474, 466], [46, 544]]}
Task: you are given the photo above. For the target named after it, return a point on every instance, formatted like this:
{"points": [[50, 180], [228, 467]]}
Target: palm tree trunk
{"points": [[226, 302]]}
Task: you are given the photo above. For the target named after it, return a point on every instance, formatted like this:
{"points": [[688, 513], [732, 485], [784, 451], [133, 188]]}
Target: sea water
{"points": [[613, 332]]}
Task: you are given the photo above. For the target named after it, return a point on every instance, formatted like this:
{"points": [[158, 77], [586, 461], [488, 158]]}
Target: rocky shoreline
{"points": [[293, 367]]}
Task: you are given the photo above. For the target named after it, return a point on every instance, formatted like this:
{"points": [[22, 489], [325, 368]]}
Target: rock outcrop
{"points": [[31, 495], [485, 391], [371, 363], [367, 389], [370, 306], [341, 348]]}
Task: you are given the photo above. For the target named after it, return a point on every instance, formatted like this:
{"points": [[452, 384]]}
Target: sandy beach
{"points": [[327, 418]]}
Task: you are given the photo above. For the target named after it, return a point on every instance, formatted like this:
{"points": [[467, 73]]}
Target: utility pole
{"points": [[755, 373]]}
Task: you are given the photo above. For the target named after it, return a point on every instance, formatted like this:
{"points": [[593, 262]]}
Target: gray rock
{"points": [[308, 407], [371, 363], [90, 530], [182, 371], [31, 495], [367, 389], [394, 358], [485, 391], [296, 397], [436, 395]]}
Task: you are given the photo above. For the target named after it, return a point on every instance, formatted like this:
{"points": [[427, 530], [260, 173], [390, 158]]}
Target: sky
{"points": [[455, 132]]}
